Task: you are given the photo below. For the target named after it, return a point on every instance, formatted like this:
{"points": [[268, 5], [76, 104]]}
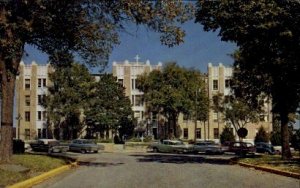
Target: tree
{"points": [[267, 35], [62, 29], [261, 135], [67, 99], [172, 91], [109, 108], [227, 135], [239, 113]]}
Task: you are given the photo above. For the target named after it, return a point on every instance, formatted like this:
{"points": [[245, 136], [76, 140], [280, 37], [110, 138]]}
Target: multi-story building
{"points": [[31, 88], [126, 73], [218, 83]]}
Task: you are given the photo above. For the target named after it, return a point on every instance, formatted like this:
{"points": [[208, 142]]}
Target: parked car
{"points": [[172, 146], [84, 146], [208, 147], [241, 148], [262, 147], [48, 145]]}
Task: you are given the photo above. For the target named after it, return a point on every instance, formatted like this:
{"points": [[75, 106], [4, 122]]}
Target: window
{"points": [[215, 84], [120, 81], [39, 115], [227, 83], [44, 133], [27, 116], [185, 133], [262, 117], [39, 133], [198, 133], [39, 82], [215, 116], [44, 82], [27, 84], [132, 83], [27, 100], [132, 100], [216, 133], [41, 99], [27, 134], [138, 100]]}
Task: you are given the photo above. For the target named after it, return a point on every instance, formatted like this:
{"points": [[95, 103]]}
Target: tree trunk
{"points": [[286, 152], [7, 89], [174, 119]]}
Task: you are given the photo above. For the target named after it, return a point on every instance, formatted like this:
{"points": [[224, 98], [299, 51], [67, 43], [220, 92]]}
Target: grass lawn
{"points": [[37, 164], [274, 161]]}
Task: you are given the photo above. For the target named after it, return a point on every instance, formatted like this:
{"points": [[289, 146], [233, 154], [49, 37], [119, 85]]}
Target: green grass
{"points": [[37, 164], [274, 161]]}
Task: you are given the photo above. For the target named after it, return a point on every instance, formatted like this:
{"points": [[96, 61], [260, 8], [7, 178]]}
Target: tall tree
{"points": [[268, 36], [109, 108], [67, 98], [239, 113], [172, 91], [64, 28]]}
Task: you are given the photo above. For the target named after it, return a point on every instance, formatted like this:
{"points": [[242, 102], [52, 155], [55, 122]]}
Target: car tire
{"points": [[96, 151], [82, 151]]}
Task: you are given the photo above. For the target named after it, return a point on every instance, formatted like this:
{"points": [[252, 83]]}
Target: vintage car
{"points": [[241, 148], [48, 145], [172, 146], [262, 147], [208, 147], [84, 146]]}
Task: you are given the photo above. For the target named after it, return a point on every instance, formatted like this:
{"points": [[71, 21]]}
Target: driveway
{"points": [[135, 170]]}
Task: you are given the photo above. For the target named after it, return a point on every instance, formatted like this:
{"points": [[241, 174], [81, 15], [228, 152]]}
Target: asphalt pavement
{"points": [[156, 170]]}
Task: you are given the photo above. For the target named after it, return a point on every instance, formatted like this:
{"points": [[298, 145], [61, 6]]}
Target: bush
{"points": [[276, 138], [227, 135], [261, 135]]}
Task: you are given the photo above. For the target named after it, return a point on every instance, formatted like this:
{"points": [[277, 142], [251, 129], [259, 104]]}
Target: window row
{"points": [[42, 82], [198, 133], [228, 84], [41, 100], [41, 116]]}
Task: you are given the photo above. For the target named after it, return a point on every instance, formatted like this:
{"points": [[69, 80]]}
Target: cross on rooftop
{"points": [[137, 57]]}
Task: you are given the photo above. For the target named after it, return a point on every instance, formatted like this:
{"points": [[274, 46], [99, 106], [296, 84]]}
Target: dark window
{"points": [[44, 133], [185, 133], [27, 84], [132, 83], [227, 83], [39, 82], [44, 115], [138, 100], [27, 116], [39, 133], [215, 84], [44, 82], [198, 133], [120, 81], [27, 100], [216, 133], [262, 117], [39, 115]]}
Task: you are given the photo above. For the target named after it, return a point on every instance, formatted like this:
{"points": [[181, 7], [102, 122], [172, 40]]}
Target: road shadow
{"points": [[97, 164], [181, 159]]}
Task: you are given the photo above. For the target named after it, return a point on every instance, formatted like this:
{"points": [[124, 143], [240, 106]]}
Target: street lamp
{"points": [[196, 113], [19, 117]]}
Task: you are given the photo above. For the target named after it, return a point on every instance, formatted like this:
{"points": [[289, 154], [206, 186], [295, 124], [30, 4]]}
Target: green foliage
{"points": [[109, 108], [172, 91], [267, 61], [239, 113], [67, 98], [226, 135], [261, 135]]}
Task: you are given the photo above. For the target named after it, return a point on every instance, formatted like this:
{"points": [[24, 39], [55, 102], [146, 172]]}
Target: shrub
{"points": [[261, 135], [226, 135]]}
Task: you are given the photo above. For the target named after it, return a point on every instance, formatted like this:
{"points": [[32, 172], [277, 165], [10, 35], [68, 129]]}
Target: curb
{"points": [[272, 170], [38, 179]]}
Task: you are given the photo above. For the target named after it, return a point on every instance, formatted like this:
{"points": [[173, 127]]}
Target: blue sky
{"points": [[197, 51]]}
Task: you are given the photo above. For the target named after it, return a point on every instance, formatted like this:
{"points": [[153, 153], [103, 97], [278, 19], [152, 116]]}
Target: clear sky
{"points": [[197, 51]]}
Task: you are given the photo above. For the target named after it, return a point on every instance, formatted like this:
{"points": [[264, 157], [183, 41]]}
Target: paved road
{"points": [[143, 170]]}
